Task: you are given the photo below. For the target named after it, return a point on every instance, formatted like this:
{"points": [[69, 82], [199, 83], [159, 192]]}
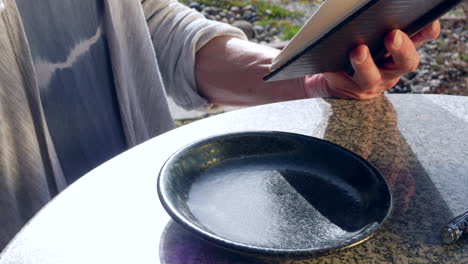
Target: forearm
{"points": [[177, 33], [229, 71]]}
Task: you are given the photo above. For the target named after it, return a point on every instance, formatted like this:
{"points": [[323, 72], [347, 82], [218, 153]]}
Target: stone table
{"points": [[418, 142]]}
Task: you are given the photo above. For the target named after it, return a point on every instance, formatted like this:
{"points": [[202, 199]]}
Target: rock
{"points": [[209, 10], [223, 14], [259, 29], [260, 36], [195, 5], [254, 17], [435, 83], [230, 15], [424, 72], [425, 89], [247, 15], [274, 31], [250, 8], [236, 10], [245, 26], [411, 75]]}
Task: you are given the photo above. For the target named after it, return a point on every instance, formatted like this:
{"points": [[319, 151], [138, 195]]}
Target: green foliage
{"points": [[464, 57], [268, 13], [457, 11], [289, 31], [268, 10], [441, 43], [264, 8]]}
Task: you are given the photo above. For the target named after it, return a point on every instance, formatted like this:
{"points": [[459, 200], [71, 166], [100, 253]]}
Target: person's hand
{"points": [[369, 80]]}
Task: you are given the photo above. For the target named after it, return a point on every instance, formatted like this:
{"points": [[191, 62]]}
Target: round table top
{"points": [[418, 142]]}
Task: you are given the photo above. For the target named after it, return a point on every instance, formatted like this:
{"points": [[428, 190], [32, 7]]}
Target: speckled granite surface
{"points": [[422, 150], [418, 142]]}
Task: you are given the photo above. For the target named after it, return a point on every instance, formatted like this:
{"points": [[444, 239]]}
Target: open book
{"points": [[324, 42]]}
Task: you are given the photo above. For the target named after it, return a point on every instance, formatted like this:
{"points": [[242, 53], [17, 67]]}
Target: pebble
{"points": [[250, 8], [435, 83], [259, 29], [246, 27], [236, 10], [195, 6], [425, 89]]}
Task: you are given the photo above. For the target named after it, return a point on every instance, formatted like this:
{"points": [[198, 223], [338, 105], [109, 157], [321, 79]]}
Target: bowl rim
{"points": [[365, 234]]}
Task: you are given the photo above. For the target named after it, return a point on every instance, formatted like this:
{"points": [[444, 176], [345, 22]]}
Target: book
{"points": [[324, 42]]}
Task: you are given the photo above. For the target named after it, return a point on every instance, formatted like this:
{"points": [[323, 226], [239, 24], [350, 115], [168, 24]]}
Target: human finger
{"points": [[366, 73], [429, 33], [405, 57]]}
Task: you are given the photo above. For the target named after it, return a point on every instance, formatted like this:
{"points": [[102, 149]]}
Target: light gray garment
{"points": [[152, 49], [75, 81]]}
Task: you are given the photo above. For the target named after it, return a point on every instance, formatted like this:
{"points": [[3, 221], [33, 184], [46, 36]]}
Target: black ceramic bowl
{"points": [[274, 193]]}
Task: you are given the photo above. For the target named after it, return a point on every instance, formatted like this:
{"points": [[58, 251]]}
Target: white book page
{"points": [[330, 14]]}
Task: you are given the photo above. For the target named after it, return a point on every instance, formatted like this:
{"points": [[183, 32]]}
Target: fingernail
{"points": [[429, 33], [358, 56], [398, 40], [434, 26]]}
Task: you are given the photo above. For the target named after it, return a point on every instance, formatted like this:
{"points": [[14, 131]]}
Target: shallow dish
{"points": [[274, 193]]}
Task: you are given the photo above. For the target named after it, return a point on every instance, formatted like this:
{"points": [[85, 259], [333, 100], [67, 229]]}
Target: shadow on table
{"points": [[369, 129], [179, 246]]}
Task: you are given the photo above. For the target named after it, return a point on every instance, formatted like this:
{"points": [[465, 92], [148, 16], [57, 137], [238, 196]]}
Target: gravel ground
{"points": [[444, 63]]}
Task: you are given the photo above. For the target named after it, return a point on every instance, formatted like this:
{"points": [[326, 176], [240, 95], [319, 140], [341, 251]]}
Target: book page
{"points": [[330, 14]]}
